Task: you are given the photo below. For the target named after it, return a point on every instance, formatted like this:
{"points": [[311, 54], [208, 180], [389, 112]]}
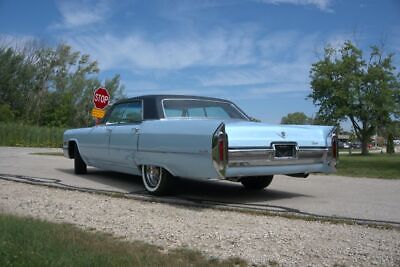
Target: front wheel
{"points": [[157, 180], [257, 182]]}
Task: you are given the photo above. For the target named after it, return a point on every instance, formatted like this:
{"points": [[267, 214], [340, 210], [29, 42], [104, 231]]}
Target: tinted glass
{"points": [[170, 113], [126, 113], [216, 112], [201, 109], [132, 113], [197, 112], [116, 114]]}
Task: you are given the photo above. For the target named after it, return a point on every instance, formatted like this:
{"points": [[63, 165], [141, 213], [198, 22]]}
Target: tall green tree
{"points": [[347, 86], [69, 79], [50, 86], [296, 118], [16, 78]]}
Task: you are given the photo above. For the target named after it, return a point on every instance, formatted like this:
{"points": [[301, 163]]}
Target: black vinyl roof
{"points": [[161, 97]]}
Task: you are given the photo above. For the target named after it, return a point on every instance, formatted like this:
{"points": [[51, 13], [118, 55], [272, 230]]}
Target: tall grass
{"points": [[14, 134], [373, 166]]}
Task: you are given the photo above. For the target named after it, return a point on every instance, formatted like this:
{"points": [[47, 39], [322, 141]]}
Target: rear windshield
{"points": [[188, 108]]}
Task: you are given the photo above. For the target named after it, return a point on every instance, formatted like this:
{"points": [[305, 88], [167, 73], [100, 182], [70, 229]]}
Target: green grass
{"points": [[372, 166], [30, 242], [14, 134]]}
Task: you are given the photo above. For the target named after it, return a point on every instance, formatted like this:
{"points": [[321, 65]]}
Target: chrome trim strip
{"points": [[270, 148], [171, 152], [251, 148], [313, 149]]}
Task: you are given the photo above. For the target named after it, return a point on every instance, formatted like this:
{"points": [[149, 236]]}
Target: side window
{"points": [[133, 112], [172, 113], [216, 112], [196, 112], [116, 114]]}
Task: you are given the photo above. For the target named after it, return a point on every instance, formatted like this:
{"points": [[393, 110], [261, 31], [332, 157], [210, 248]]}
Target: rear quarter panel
{"points": [[182, 146]]}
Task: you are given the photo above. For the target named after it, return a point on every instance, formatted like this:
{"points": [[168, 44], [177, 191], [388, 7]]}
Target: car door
{"points": [[124, 137], [99, 138], [96, 144]]}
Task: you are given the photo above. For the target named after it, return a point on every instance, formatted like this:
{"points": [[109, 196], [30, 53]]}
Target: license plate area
{"points": [[284, 151]]}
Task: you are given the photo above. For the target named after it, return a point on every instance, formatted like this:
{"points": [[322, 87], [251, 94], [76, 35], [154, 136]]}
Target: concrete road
{"points": [[361, 198]]}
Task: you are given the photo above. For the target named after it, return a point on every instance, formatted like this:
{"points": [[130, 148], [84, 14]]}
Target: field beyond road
{"points": [[372, 166]]}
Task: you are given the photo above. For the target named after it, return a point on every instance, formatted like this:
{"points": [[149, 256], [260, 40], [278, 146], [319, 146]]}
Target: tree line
{"points": [[49, 86]]}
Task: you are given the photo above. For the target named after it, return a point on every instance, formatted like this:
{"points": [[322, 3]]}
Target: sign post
{"points": [[101, 99]]}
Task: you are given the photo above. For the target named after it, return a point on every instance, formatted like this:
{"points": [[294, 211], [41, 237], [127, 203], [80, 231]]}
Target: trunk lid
{"points": [[244, 134]]}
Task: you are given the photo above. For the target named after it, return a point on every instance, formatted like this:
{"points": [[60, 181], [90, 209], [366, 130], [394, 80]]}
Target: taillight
{"points": [[220, 150]]}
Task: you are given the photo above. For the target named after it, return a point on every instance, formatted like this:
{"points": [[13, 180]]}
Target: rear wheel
{"points": [[257, 182], [79, 165], [157, 180]]}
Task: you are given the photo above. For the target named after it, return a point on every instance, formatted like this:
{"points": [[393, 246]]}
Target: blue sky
{"points": [[256, 53]]}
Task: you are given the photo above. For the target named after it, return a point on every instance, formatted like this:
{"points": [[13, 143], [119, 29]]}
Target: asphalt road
{"points": [[326, 195]]}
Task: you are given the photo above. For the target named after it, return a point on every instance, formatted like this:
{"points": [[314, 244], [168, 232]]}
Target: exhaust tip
{"points": [[299, 175]]}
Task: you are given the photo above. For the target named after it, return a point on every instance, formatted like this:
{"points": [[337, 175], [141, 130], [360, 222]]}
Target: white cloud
{"points": [[21, 43], [278, 88], [141, 85], [275, 43], [336, 41], [16, 40], [82, 13], [321, 4], [288, 46], [235, 78], [218, 60], [136, 52], [272, 72], [135, 91], [283, 57]]}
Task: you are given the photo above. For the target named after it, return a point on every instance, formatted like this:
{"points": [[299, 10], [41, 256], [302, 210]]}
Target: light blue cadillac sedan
{"points": [[163, 137]]}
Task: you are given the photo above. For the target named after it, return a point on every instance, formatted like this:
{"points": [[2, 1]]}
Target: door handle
{"points": [[135, 130]]}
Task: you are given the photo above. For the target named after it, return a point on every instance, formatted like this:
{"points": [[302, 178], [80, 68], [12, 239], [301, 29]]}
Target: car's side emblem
{"points": [[282, 134]]}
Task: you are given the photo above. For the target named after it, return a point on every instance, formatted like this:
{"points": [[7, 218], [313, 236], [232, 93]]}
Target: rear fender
{"points": [[182, 147]]}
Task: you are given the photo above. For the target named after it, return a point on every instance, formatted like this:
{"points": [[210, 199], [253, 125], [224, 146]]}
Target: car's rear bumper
{"points": [[283, 169], [258, 162]]}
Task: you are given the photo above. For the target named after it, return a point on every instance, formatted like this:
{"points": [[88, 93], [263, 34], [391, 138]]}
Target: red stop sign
{"points": [[101, 97]]}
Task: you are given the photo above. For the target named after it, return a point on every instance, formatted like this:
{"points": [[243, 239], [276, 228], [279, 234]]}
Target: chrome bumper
{"points": [[255, 157]]}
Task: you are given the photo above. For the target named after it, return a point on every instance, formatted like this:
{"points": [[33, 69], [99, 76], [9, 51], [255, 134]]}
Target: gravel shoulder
{"points": [[255, 238]]}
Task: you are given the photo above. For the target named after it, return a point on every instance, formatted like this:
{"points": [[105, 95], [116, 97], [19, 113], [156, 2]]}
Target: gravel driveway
{"points": [[256, 238]]}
